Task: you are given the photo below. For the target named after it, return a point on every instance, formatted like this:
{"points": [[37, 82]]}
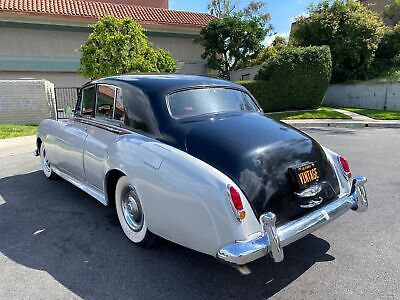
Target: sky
{"points": [[283, 12]]}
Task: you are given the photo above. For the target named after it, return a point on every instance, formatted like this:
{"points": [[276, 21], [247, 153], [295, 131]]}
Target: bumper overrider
{"points": [[273, 238]]}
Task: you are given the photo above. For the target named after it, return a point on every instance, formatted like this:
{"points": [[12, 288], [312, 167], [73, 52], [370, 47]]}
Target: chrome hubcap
{"points": [[45, 163], [132, 210]]}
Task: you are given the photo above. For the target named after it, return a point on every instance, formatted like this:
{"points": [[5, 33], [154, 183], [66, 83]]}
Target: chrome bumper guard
{"points": [[273, 238]]}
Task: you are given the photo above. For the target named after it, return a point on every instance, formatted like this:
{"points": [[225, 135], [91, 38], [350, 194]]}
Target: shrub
{"points": [[349, 28], [120, 46], [389, 46], [296, 78]]}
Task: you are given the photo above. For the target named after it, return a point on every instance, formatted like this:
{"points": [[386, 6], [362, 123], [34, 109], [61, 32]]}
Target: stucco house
{"points": [[379, 6], [41, 38]]}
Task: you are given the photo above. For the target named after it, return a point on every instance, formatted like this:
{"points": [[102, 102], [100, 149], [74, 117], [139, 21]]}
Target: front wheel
{"points": [[131, 215], [46, 167]]}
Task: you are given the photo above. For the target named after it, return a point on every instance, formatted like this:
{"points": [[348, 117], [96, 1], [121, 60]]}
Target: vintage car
{"points": [[194, 160]]}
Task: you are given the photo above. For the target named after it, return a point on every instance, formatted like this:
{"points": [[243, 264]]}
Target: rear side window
{"points": [[105, 101], [87, 102]]}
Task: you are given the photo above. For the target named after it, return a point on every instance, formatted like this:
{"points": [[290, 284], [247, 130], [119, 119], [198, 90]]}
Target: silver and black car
{"points": [[194, 160]]}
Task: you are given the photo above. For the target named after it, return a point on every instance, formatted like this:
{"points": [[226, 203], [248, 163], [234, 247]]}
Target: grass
{"points": [[319, 113], [376, 113], [14, 130]]}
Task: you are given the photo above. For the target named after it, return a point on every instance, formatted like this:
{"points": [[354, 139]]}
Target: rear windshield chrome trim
{"points": [[167, 97]]}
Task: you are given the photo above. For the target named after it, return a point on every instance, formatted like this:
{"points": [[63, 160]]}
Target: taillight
{"points": [[236, 202], [345, 166]]}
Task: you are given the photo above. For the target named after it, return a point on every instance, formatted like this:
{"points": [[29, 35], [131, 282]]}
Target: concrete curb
{"points": [[343, 124]]}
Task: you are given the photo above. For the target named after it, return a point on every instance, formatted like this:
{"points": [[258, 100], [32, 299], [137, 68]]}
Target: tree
{"points": [[222, 8], [235, 37], [120, 46], [229, 42], [350, 29], [256, 10], [279, 43]]}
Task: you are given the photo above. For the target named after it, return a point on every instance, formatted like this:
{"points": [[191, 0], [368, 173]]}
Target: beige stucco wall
{"points": [[181, 49], [44, 44], [34, 42], [26, 101]]}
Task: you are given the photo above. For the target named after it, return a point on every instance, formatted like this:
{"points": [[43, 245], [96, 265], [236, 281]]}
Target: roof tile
{"points": [[96, 10]]}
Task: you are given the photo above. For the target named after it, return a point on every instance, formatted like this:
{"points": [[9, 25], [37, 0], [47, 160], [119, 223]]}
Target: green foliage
{"points": [[277, 45], [120, 46], [229, 42], [350, 29], [389, 46], [256, 11], [296, 78], [221, 8]]}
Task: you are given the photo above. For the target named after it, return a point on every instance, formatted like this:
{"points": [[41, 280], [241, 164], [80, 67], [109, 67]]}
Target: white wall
{"points": [[365, 95], [26, 101], [245, 74]]}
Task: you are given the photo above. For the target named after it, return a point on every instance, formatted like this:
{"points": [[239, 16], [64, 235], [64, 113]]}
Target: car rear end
{"points": [[273, 235]]}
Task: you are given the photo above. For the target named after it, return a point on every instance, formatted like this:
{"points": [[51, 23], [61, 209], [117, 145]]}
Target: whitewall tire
{"points": [[46, 166], [131, 215]]}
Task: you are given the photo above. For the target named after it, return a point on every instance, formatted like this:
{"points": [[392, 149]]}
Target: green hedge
{"points": [[296, 78]]}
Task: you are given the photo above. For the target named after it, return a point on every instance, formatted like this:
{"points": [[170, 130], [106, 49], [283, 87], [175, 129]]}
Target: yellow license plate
{"points": [[307, 174]]}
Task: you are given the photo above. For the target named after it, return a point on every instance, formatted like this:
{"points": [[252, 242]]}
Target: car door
{"points": [[102, 132], [72, 135]]}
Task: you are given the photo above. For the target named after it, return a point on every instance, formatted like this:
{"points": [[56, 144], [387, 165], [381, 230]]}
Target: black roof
{"points": [[169, 82]]}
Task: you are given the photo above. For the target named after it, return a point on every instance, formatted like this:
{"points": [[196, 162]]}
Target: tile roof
{"points": [[96, 10]]}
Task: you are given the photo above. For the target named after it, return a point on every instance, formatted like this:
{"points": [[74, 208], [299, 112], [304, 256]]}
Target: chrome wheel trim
{"points": [[132, 210], [45, 163]]}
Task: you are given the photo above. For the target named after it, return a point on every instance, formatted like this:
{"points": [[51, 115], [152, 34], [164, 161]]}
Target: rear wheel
{"points": [[46, 167], [131, 215]]}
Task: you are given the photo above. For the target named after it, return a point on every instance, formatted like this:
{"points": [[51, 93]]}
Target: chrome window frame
{"points": [[79, 104], [117, 88]]}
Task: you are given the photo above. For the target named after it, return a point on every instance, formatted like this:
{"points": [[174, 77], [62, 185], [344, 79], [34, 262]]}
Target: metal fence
{"points": [[65, 101]]}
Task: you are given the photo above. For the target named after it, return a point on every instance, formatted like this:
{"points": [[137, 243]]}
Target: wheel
{"points": [[46, 167], [131, 215]]}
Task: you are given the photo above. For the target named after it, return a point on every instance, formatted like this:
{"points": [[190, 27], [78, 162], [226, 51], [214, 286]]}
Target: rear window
{"points": [[196, 102]]}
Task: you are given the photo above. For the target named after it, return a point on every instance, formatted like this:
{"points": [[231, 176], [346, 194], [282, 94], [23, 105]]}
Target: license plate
{"points": [[306, 174]]}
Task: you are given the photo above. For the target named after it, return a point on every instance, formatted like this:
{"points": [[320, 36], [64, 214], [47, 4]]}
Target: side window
{"points": [[78, 103], [105, 101], [119, 112], [87, 101]]}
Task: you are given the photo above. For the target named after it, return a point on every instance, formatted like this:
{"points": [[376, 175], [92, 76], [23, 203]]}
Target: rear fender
{"points": [[185, 200]]}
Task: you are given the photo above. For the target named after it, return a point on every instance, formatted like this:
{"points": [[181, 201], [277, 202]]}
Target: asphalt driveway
{"points": [[56, 242]]}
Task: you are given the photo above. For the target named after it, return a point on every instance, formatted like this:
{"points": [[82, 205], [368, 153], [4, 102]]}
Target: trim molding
{"points": [[39, 64]]}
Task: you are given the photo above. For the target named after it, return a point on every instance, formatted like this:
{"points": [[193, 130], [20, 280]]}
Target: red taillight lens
{"points": [[235, 198], [345, 166]]}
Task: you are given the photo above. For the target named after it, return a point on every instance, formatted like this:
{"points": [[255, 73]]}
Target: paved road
{"points": [[56, 242]]}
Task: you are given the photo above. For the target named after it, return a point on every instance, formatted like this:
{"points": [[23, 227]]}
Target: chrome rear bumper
{"points": [[272, 239]]}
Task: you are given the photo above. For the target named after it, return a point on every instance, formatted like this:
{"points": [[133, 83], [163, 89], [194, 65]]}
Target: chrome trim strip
{"points": [[112, 128], [98, 195], [272, 238], [310, 192]]}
